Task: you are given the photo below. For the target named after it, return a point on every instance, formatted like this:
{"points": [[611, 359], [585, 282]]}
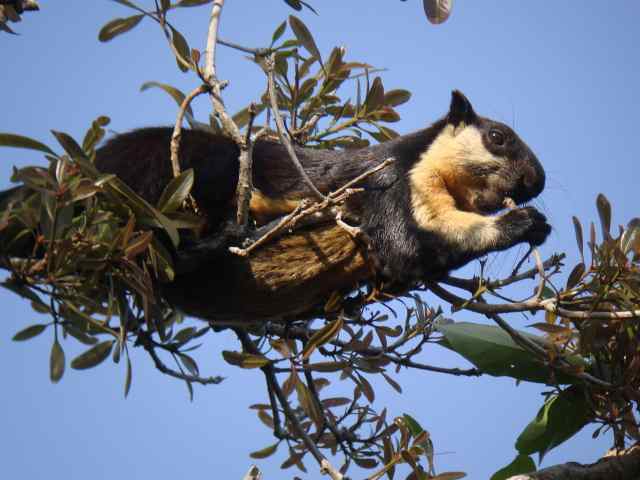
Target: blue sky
{"points": [[565, 76]]}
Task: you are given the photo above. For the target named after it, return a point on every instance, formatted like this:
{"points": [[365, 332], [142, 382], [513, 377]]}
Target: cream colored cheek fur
{"points": [[434, 206]]}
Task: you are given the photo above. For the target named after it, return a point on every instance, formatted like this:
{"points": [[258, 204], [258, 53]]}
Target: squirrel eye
{"points": [[496, 137]]}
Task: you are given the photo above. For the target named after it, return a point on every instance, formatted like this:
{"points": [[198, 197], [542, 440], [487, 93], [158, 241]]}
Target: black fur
{"points": [[406, 252]]}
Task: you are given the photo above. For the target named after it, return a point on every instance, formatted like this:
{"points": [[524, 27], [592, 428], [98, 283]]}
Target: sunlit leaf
{"points": [[520, 465], [304, 36], [182, 49], [493, 351], [173, 92], [322, 336], [19, 141], [560, 418], [278, 32], [245, 360]]}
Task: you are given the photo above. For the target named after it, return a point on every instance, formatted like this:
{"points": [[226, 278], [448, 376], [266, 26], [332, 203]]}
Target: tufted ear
{"points": [[460, 110]]}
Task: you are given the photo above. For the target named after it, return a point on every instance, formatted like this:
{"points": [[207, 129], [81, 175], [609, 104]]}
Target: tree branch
{"points": [[622, 466], [177, 129], [284, 139]]}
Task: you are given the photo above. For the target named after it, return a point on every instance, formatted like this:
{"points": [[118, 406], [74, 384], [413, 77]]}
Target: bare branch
{"points": [[177, 129], [325, 466], [210, 52], [284, 139]]}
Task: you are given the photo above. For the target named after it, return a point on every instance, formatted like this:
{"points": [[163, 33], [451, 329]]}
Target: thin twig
{"points": [[292, 418], [284, 139], [304, 210], [177, 129], [148, 346]]}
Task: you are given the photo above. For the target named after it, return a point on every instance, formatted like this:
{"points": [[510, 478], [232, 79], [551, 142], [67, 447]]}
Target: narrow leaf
{"points": [[579, 237], [244, 360], [56, 362], [18, 141], [29, 332], [92, 357], [192, 3], [128, 378], [322, 336], [118, 26], [173, 92], [278, 32], [265, 452], [304, 36], [604, 210], [176, 192]]}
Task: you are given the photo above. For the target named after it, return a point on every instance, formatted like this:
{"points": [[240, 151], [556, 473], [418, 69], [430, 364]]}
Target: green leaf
{"points": [[375, 96], [520, 465], [118, 26], [322, 336], [278, 32], [29, 332], [192, 3], [128, 378], [304, 36], [560, 418], [575, 276], [493, 351], [604, 210], [396, 97], [173, 92], [18, 141], [265, 452], [176, 192], [182, 48], [579, 237], [93, 357], [56, 362], [244, 360], [414, 427], [70, 146]]}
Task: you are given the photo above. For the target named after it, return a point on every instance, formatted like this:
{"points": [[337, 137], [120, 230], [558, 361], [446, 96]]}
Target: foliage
{"points": [[89, 253]]}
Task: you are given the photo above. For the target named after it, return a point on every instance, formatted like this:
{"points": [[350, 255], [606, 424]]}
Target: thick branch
{"points": [[625, 466]]}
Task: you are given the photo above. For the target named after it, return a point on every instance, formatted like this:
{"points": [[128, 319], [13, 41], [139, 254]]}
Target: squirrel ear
{"points": [[460, 110]]}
